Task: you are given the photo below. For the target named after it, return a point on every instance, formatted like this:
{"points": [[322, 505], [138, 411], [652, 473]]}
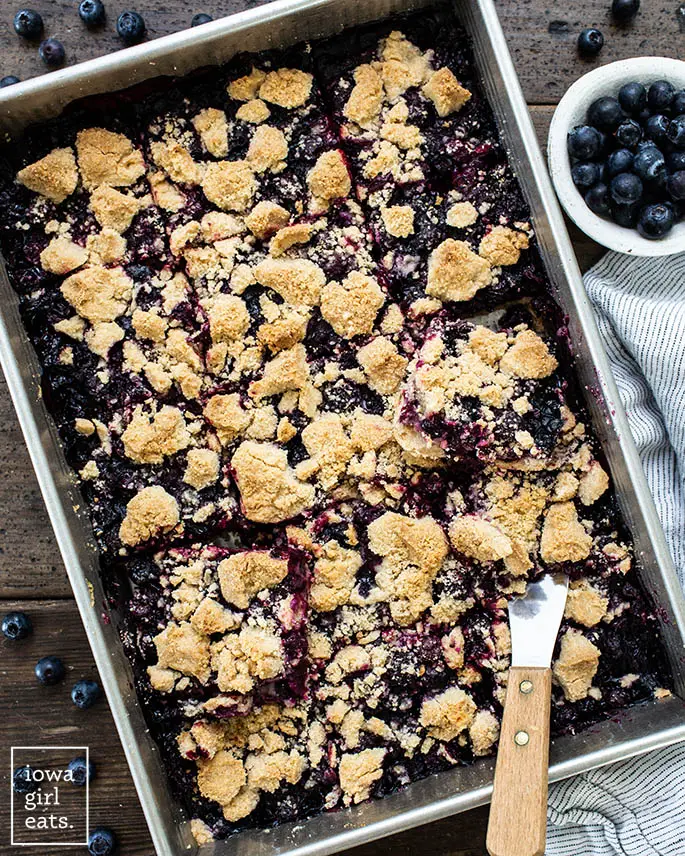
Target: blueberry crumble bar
{"points": [[301, 352]]}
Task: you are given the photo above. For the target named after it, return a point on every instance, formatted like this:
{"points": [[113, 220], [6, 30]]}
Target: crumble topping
{"points": [[97, 293], [398, 220], [564, 538], [484, 732], [593, 484], [455, 272], [334, 577], [244, 575], [266, 218], [366, 99], [448, 714], [62, 256], [286, 371], [202, 469], [150, 513], [112, 209], [576, 666], [150, 437], [227, 415], [528, 357], [55, 176], [254, 111], [221, 778], [177, 162], [290, 236], [358, 772], [102, 337], [502, 246], [286, 87], [268, 149], [299, 281], [329, 179], [479, 539], [230, 185], [384, 366], [445, 91], [585, 604], [212, 127], [105, 157], [228, 318], [351, 307], [240, 658], [246, 88], [181, 648], [461, 215]]}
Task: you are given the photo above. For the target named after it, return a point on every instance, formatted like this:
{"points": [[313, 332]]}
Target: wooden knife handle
{"points": [[518, 814]]}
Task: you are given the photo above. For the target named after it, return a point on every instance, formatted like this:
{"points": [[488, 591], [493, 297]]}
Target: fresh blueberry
{"points": [[597, 199], [676, 161], [131, 27], [50, 670], [605, 113], [678, 103], [656, 220], [624, 10], [590, 42], [9, 80], [649, 163], [584, 142], [84, 694], [620, 160], [51, 51], [92, 12], [629, 133], [625, 189], [200, 18], [102, 842], [625, 215], [585, 175], [676, 132], [22, 780], [661, 94], [81, 772], [676, 185], [633, 98], [28, 24], [656, 127], [16, 625]]}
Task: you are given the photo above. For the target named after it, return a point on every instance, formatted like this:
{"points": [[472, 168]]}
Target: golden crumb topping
{"points": [[240, 658], [98, 294], [164, 193], [287, 370], [268, 149], [106, 247], [201, 832], [502, 246], [455, 272], [177, 162], [576, 666], [448, 714], [105, 157], [351, 307], [269, 490], [528, 357], [363, 107], [452, 645], [244, 575], [112, 209], [479, 539], [335, 573], [564, 538], [221, 778], [299, 281], [202, 469], [329, 178], [150, 437], [228, 318], [484, 732], [398, 220], [254, 111], [62, 255], [461, 215], [593, 484], [384, 366], [227, 415], [55, 176], [286, 87], [212, 127], [102, 337], [181, 648], [245, 88], [446, 93], [403, 62], [266, 218], [230, 185], [329, 448], [151, 512], [585, 604], [290, 236], [149, 325], [358, 772]]}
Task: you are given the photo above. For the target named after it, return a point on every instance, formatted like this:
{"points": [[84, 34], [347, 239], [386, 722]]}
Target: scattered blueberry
{"points": [[16, 625], [585, 174], [625, 10], [633, 98], [84, 694], [620, 160], [597, 199], [200, 18], [629, 133], [102, 842], [590, 42], [676, 132], [81, 771], [655, 220], [22, 781], [676, 186], [131, 27], [28, 24], [660, 95], [656, 127], [625, 189], [649, 163], [605, 113], [92, 12], [51, 51], [678, 103], [584, 142], [8, 80], [50, 670]]}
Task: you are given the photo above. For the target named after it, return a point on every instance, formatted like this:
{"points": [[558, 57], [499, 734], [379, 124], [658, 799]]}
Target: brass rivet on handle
{"points": [[521, 738], [526, 687]]}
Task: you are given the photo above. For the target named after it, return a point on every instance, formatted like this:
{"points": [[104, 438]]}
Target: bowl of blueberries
{"points": [[616, 154]]}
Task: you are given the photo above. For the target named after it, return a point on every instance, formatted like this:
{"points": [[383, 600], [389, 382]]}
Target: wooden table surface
{"points": [[542, 36]]}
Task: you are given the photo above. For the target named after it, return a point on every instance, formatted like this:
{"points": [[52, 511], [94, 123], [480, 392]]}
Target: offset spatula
{"points": [[518, 814]]}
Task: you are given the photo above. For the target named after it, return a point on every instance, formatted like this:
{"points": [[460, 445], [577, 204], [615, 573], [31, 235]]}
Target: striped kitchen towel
{"points": [[637, 807]]}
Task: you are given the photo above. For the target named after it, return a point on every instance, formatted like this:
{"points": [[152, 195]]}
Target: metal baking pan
{"points": [[637, 730]]}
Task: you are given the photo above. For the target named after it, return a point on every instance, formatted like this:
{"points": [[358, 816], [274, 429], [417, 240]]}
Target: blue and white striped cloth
{"points": [[637, 807]]}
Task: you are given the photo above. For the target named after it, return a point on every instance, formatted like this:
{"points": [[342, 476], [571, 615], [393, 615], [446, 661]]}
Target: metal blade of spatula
{"points": [[518, 814]]}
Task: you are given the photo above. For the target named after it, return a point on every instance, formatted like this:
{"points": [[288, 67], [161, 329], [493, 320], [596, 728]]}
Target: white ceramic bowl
{"points": [[607, 80]]}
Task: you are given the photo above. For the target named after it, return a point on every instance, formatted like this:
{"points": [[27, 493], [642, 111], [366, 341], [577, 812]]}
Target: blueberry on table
{"points": [[629, 133], [676, 132], [131, 27], [586, 174], [200, 18], [649, 163], [28, 24], [51, 51], [84, 694], [656, 220], [16, 625], [626, 189], [620, 160], [92, 12], [590, 42], [633, 98], [8, 80], [605, 113], [661, 94], [50, 670], [81, 772], [597, 199], [624, 10], [584, 142], [656, 127], [102, 842], [22, 780]]}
